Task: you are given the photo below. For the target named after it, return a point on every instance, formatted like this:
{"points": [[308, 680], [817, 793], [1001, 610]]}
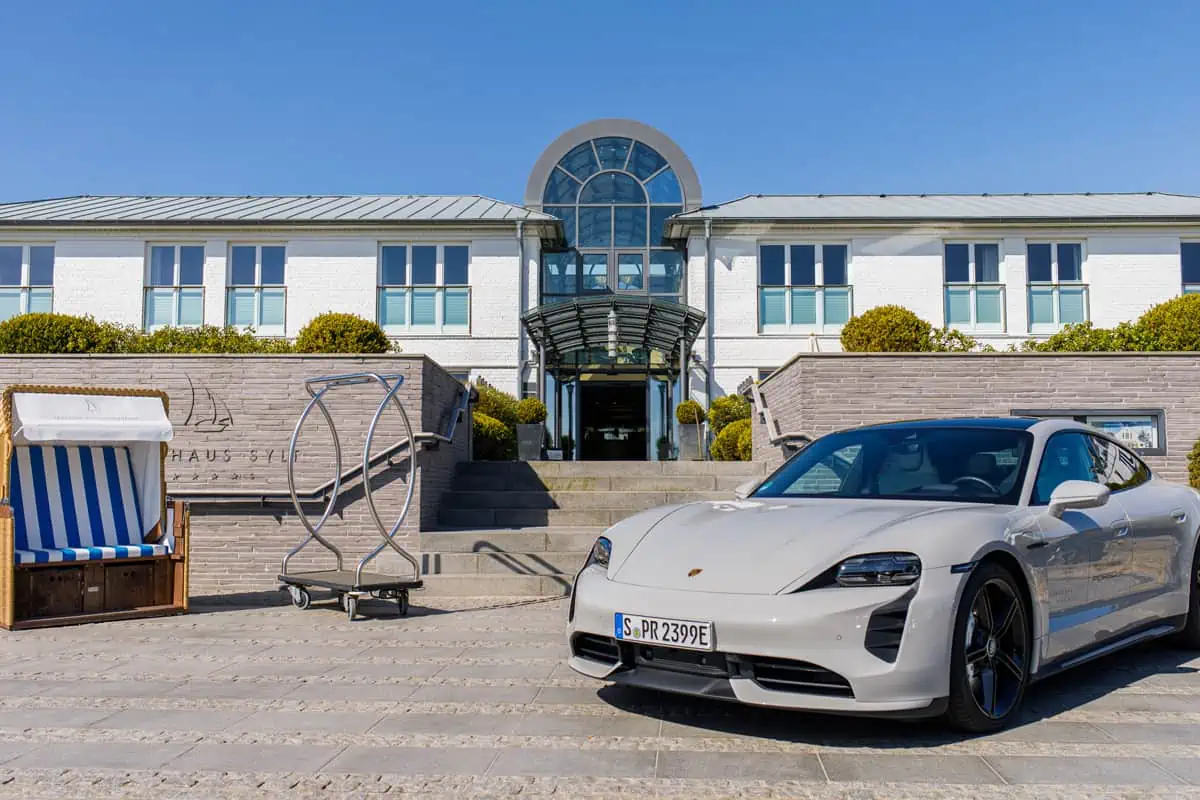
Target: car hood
{"points": [[762, 546]]}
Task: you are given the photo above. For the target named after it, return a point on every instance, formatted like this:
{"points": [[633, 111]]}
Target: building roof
{"points": [[270, 210], [1144, 206]]}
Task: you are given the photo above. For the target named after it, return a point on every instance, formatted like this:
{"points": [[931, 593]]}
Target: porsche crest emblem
{"points": [[694, 572]]}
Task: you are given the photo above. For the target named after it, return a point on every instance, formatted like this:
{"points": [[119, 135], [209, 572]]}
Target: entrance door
{"points": [[612, 421]]}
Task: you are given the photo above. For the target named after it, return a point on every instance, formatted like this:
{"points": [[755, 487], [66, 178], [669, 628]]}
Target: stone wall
{"points": [[820, 393], [233, 418]]}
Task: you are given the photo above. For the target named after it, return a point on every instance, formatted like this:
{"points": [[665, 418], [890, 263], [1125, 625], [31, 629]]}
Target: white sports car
{"points": [[926, 568]]}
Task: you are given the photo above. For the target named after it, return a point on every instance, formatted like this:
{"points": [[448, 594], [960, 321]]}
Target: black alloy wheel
{"points": [[1189, 637]]}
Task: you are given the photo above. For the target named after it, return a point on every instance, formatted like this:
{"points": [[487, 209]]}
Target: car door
{"points": [[1069, 554]]}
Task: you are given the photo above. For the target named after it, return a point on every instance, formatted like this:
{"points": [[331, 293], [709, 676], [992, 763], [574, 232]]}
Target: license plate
{"points": [[671, 632]]}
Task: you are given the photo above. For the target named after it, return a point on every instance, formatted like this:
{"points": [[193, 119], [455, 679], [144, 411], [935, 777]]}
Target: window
{"points": [[174, 285], [26, 279], [1067, 456], [1057, 294], [256, 288], [974, 292], [802, 285], [424, 287], [1189, 262], [1141, 430], [1117, 468]]}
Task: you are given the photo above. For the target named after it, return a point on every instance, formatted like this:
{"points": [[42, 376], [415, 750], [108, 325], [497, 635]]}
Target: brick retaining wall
{"points": [[233, 418], [824, 392]]}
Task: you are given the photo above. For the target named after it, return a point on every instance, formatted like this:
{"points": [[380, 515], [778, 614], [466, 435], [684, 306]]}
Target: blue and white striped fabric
{"points": [[74, 503]]}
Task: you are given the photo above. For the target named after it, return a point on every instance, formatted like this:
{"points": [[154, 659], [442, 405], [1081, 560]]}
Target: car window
{"points": [[1067, 456], [1117, 468], [827, 476]]}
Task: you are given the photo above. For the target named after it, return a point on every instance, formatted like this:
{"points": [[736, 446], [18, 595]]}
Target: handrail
{"points": [[774, 435], [321, 492]]}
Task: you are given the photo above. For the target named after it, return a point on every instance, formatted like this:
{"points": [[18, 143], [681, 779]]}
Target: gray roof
{"points": [[308, 209], [950, 207]]}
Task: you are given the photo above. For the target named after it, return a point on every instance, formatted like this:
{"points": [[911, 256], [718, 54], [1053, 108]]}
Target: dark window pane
{"points": [[1039, 263], [595, 227], [1189, 256], [958, 263], [567, 215], [272, 265], [560, 273], [629, 271], [424, 265], [1070, 262], [10, 266], [612, 187], [560, 188], [645, 161], [41, 266], [580, 162], [987, 263], [162, 266], [191, 266], [595, 272], [394, 269], [658, 221], [629, 224], [770, 265], [804, 265], [613, 152], [241, 271], [833, 260], [666, 271], [664, 188], [1067, 457], [455, 267]]}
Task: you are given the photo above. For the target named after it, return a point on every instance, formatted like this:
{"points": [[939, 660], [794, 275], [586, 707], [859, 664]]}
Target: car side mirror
{"points": [[1075, 495], [745, 490]]}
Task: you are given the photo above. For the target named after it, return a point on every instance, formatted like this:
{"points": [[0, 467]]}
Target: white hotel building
{"points": [[611, 274]]}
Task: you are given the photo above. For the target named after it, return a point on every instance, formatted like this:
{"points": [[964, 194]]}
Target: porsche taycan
{"points": [[931, 568]]}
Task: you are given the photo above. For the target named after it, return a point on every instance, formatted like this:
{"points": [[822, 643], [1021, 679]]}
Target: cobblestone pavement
{"points": [[473, 700]]}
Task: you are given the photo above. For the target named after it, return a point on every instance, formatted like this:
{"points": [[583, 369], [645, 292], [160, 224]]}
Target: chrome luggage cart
{"points": [[350, 585]]}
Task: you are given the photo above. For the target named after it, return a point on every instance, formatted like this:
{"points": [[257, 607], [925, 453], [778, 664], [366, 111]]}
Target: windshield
{"points": [[979, 465]]}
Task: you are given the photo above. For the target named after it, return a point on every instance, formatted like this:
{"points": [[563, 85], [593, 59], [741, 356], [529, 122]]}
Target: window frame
{"points": [[1188, 288], [275, 331], [790, 327], [1159, 416], [175, 286], [439, 286], [973, 284], [1055, 284], [25, 287]]}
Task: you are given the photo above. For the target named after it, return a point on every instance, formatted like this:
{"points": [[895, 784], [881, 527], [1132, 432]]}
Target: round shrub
{"points": [[496, 404], [1194, 465], [531, 411], [44, 334], [951, 340], [727, 409], [887, 329], [746, 444], [689, 412], [342, 333], [494, 441], [1173, 325], [726, 445]]}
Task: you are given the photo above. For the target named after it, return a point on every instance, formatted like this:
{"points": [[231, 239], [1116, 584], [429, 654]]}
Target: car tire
{"points": [[1189, 637], [989, 659]]}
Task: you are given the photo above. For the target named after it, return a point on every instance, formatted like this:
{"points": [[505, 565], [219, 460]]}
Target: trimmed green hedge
{"points": [[496, 404], [689, 412], [494, 441], [342, 333], [531, 411], [725, 410], [896, 329], [746, 443], [727, 444]]}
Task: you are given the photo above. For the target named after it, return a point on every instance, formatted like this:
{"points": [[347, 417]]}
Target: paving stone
{"points": [[740, 766], [584, 725], [1113, 771], [578, 763], [99, 755], [318, 691], [165, 720], [1152, 733], [474, 694], [907, 768], [412, 761], [22, 718], [1186, 768], [11, 750], [449, 724], [255, 758], [306, 722]]}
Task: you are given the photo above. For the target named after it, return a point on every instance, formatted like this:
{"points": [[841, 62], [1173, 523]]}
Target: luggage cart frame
{"points": [[351, 585]]}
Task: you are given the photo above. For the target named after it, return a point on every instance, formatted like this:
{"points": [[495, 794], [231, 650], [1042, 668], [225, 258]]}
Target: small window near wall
{"points": [[803, 286], [1141, 430]]}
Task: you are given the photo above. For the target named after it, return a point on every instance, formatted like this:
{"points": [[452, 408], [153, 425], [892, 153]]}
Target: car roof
{"points": [[995, 423]]}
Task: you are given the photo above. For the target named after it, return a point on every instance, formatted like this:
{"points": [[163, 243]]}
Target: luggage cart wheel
{"points": [[402, 602], [341, 597], [351, 606], [301, 599]]}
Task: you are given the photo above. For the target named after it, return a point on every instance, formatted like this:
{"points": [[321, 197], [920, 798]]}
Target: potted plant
{"points": [[664, 448], [531, 429], [690, 416]]}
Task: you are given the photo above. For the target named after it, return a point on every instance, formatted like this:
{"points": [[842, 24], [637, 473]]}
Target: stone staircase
{"points": [[523, 529]]}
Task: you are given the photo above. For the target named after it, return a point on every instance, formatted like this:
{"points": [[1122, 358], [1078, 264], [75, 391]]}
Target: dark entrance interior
{"points": [[612, 420]]}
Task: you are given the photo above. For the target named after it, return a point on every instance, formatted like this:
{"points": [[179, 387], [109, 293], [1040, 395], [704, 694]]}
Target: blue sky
{"points": [[298, 97]]}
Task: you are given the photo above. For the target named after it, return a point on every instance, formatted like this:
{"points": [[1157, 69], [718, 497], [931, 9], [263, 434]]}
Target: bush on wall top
{"points": [[895, 329], [342, 333]]}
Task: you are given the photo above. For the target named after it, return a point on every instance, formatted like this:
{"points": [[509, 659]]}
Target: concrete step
{"points": [[532, 481], [503, 563], [571, 500], [532, 540], [533, 517], [494, 586], [749, 469]]}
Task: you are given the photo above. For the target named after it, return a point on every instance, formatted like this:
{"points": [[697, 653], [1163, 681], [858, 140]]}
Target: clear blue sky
{"points": [[297, 97]]}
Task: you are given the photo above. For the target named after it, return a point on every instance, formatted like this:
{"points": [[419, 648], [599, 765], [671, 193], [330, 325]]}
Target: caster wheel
{"points": [[351, 606], [402, 603], [301, 599], [341, 600]]}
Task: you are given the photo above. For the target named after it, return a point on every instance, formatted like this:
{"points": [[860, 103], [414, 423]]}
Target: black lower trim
{"points": [[676, 682], [1130, 636]]}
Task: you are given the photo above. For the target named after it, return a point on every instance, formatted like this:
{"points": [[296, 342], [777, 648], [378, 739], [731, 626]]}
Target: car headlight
{"points": [[601, 551], [879, 569]]}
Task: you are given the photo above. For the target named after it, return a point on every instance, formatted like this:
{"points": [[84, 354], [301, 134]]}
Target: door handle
{"points": [[1120, 529], [1179, 515]]}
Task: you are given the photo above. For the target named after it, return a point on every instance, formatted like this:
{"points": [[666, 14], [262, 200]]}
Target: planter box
{"points": [[691, 443], [530, 440]]}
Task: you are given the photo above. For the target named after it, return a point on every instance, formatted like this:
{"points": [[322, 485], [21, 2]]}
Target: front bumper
{"points": [[807, 650]]}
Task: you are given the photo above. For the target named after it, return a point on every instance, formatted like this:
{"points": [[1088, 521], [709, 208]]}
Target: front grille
{"points": [[885, 629], [596, 648], [676, 660], [799, 677]]}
